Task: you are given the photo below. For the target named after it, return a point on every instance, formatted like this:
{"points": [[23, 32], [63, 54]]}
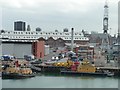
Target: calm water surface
{"points": [[58, 81]]}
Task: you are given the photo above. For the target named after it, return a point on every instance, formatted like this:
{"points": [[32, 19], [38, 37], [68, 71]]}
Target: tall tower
{"points": [[105, 38], [105, 19], [19, 26]]}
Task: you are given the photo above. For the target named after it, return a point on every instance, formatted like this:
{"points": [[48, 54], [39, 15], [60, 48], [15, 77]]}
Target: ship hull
{"points": [[15, 76], [83, 73]]}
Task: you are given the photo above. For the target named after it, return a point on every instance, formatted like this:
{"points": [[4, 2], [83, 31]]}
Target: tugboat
{"points": [[85, 69], [16, 72]]}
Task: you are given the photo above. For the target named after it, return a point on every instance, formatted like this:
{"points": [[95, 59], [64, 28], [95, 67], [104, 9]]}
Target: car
{"points": [[36, 62]]}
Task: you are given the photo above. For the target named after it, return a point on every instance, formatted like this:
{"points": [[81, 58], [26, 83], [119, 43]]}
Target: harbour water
{"points": [[60, 81]]}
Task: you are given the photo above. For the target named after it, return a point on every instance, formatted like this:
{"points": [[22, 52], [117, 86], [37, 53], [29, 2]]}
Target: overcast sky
{"points": [[50, 15]]}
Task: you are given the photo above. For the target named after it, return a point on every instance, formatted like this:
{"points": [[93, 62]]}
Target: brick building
{"points": [[38, 48]]}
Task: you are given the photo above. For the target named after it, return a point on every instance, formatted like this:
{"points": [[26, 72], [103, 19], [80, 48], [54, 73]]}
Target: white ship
{"points": [[30, 36]]}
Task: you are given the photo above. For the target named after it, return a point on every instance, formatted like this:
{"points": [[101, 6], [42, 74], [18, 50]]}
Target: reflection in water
{"points": [[53, 80]]}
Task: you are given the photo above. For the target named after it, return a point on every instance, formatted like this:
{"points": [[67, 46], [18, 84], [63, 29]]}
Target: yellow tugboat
{"points": [[16, 72], [85, 69], [13, 72]]}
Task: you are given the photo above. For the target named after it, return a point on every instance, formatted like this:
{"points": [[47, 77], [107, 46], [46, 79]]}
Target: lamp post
{"points": [[72, 38]]}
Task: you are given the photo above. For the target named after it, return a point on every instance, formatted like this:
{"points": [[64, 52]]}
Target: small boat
{"points": [[110, 74]]}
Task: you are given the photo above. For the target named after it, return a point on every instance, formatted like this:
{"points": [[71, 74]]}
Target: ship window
{"points": [[8, 32], [60, 33], [40, 33], [36, 33], [26, 32], [21, 32], [31, 32]]}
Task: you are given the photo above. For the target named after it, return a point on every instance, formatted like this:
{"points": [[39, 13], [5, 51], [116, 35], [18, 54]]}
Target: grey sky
{"points": [[58, 14]]}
